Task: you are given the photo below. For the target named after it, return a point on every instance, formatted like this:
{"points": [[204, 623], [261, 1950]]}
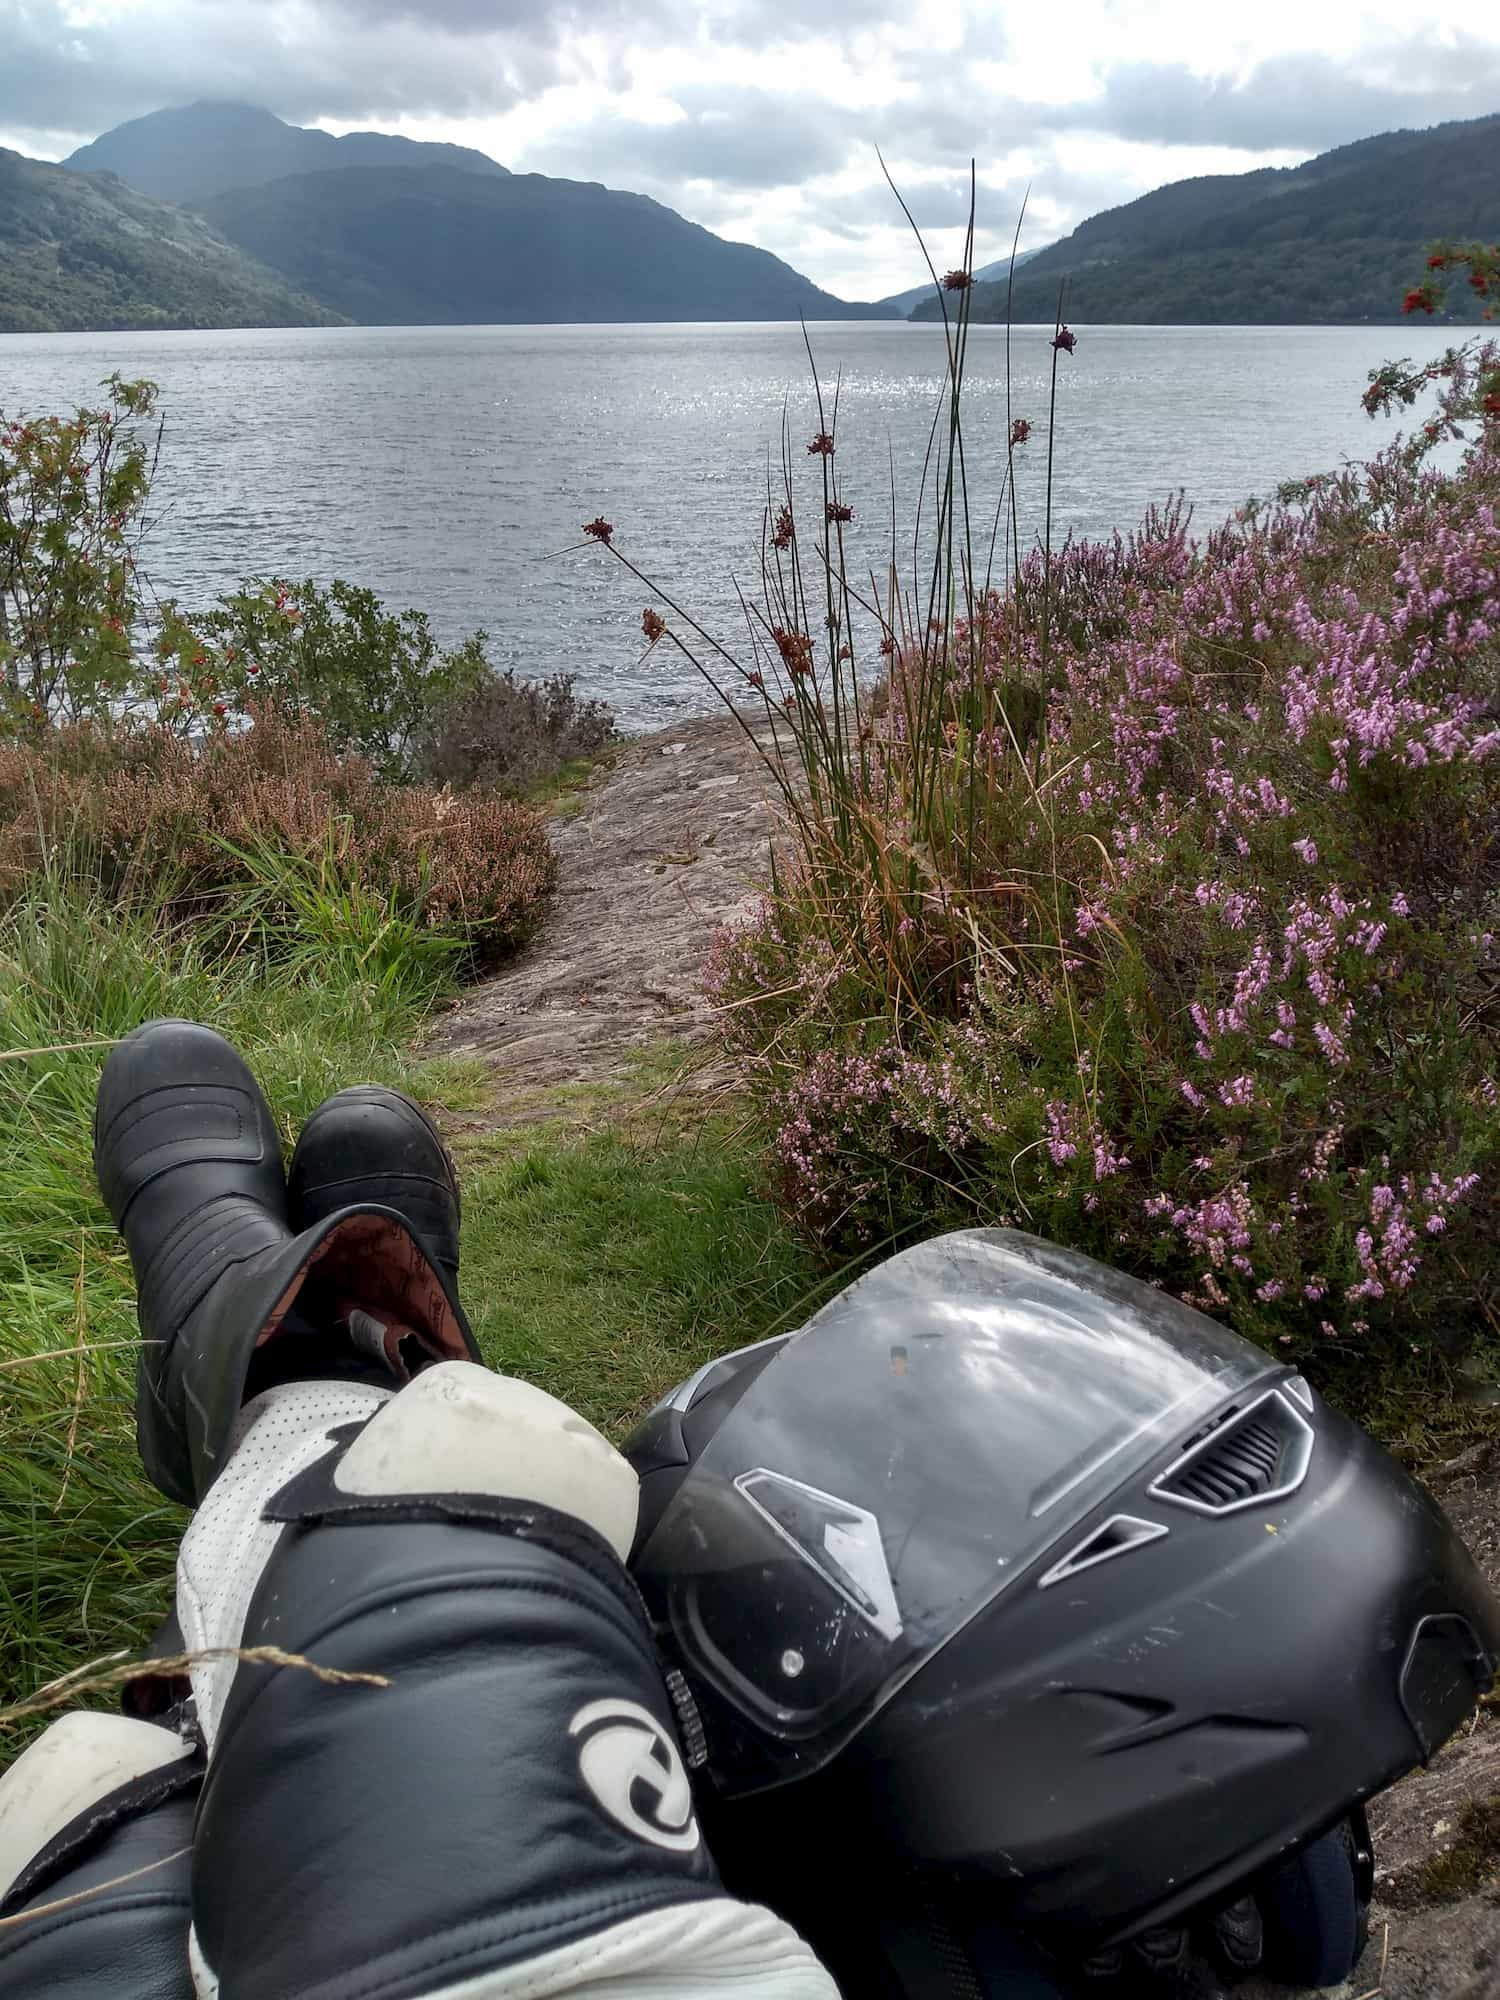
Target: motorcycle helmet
{"points": [[1010, 1598]]}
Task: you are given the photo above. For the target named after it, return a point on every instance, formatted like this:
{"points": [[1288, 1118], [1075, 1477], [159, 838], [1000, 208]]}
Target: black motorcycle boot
{"points": [[371, 1144], [230, 1300]]}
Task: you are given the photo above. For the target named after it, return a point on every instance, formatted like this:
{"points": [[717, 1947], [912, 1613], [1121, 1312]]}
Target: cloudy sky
{"points": [[761, 118]]}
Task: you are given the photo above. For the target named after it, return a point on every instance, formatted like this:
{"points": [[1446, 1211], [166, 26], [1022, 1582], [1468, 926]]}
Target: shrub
{"points": [[373, 678], [1481, 261], [1158, 908], [1213, 988], [147, 816], [513, 735], [73, 495]]}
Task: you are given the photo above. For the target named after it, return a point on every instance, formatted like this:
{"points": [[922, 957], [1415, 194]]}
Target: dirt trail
{"points": [[666, 844]]}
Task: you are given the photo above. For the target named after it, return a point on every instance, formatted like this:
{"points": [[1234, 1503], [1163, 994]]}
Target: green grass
{"points": [[655, 1095], [603, 1265], [564, 789], [85, 1545], [606, 1267]]}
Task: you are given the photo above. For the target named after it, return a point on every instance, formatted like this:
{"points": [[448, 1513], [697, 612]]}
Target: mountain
{"points": [[903, 302], [85, 251], [1339, 238], [394, 232], [435, 246], [194, 151]]}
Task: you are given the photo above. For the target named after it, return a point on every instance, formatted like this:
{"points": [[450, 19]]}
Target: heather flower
{"points": [[1199, 982], [1061, 1143]]}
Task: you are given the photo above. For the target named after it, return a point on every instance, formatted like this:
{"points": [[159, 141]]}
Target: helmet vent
{"points": [[1117, 1536], [1262, 1456]]}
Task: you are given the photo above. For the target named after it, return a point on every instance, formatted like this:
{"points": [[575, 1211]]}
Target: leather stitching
{"points": [[312, 1499], [62, 1920]]}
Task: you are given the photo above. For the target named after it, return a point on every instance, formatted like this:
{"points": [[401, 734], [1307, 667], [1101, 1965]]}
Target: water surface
{"points": [[446, 466]]}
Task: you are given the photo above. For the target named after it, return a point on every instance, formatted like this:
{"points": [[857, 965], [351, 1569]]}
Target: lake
{"points": [[446, 466]]}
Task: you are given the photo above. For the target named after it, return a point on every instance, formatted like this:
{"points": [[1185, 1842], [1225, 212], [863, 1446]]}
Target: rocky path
{"points": [[667, 843]]}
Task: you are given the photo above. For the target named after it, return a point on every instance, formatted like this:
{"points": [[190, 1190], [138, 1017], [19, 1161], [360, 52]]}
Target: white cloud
{"points": [[761, 118]]}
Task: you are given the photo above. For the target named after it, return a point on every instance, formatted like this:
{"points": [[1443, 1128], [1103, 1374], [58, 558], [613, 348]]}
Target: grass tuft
{"points": [[1471, 1860]]}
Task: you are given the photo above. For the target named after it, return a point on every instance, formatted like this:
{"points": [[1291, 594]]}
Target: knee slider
{"points": [[458, 1428], [78, 1763]]}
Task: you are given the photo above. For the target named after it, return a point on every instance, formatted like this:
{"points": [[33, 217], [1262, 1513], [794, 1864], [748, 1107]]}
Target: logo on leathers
{"points": [[632, 1767]]}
